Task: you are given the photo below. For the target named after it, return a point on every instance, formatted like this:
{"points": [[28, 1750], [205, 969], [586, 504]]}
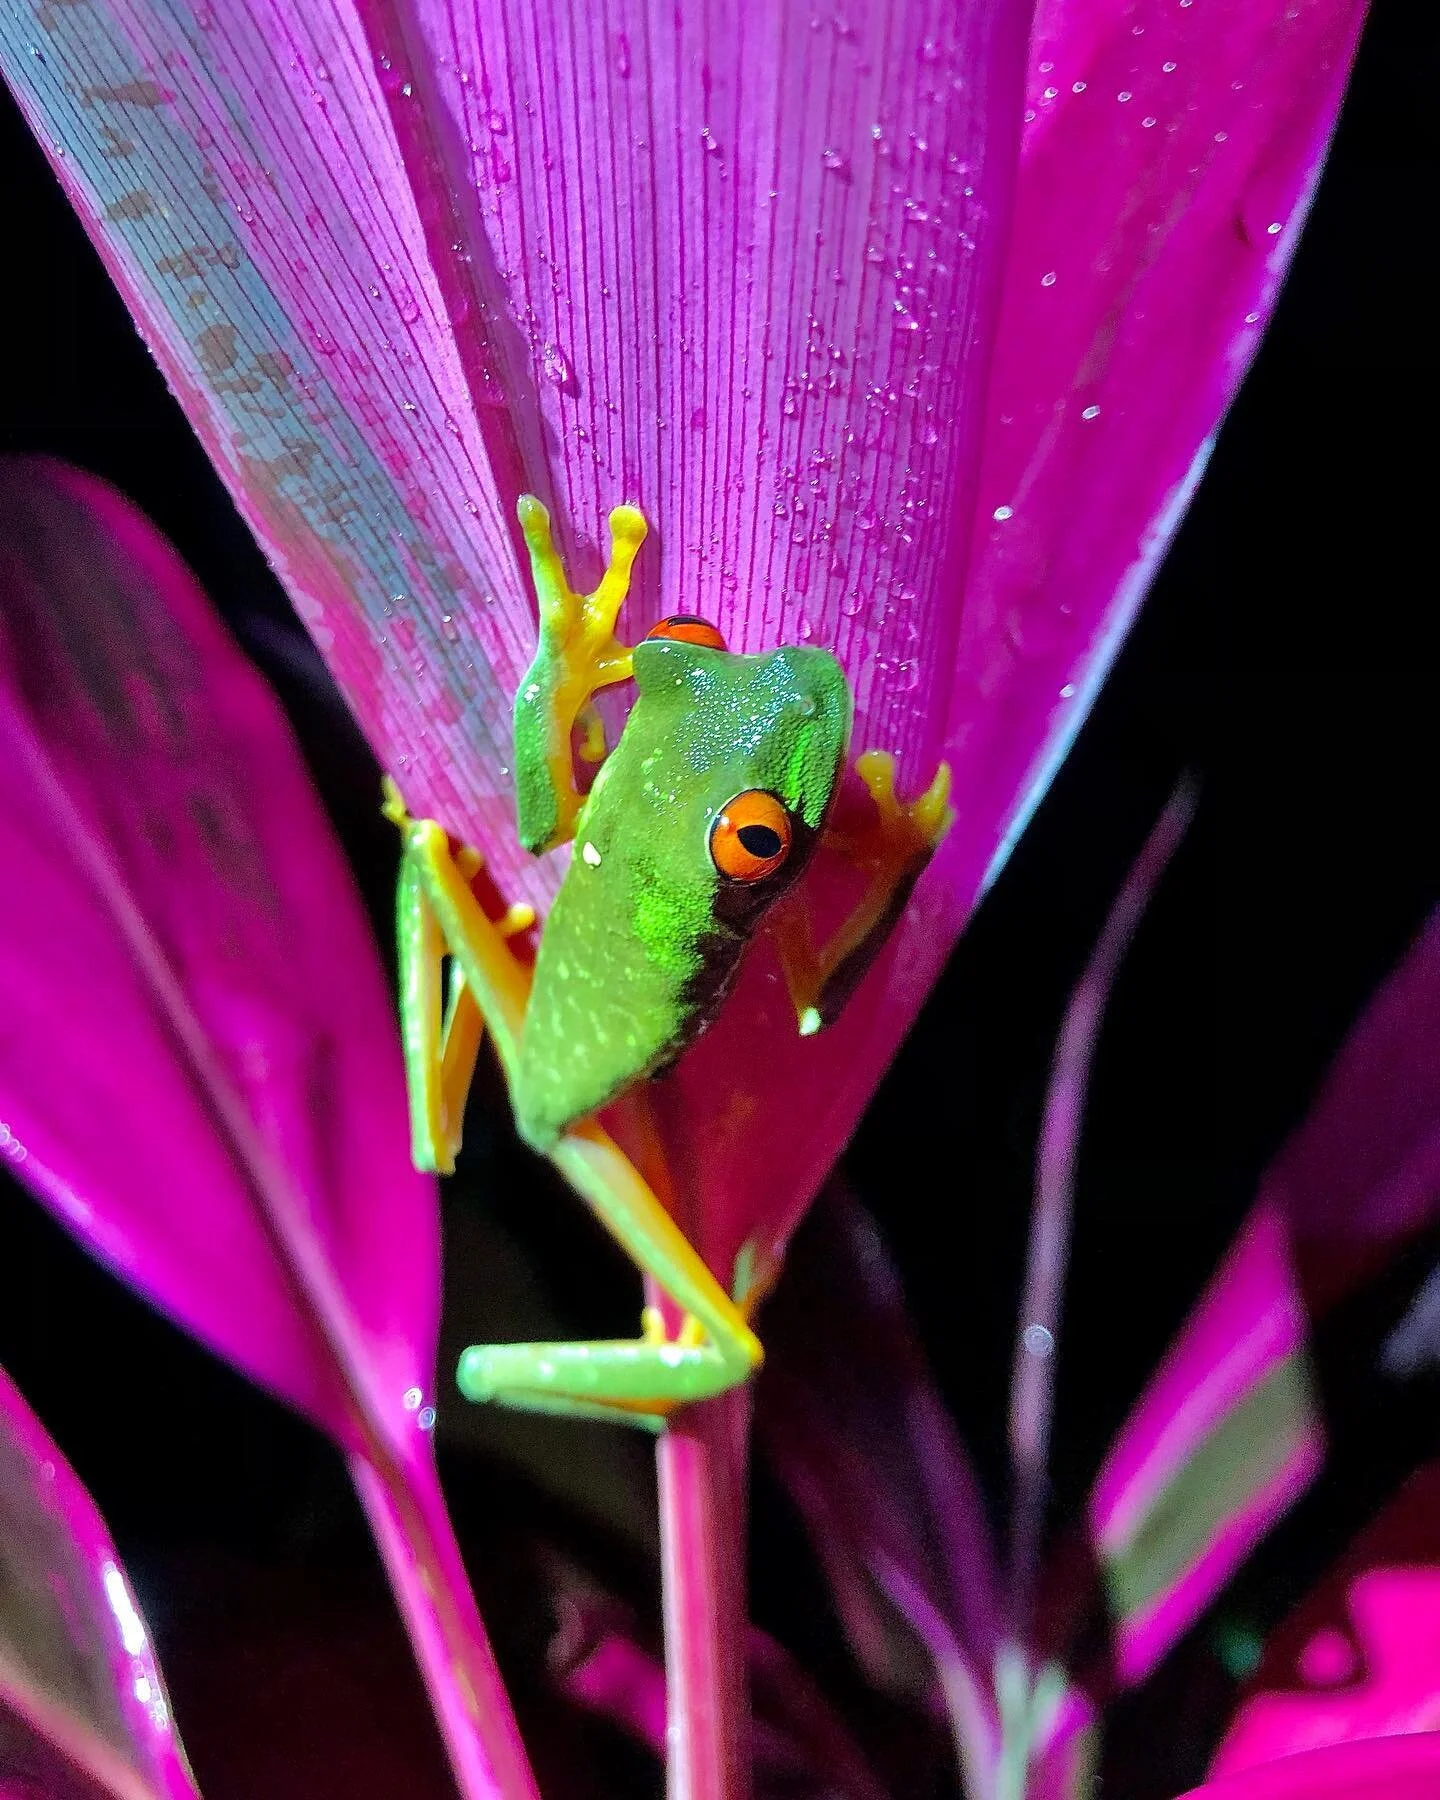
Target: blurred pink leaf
{"points": [[83, 1708], [1360, 1658], [867, 1452], [1220, 1444], [801, 1746], [1404, 1768], [1362, 1172], [198, 1056], [747, 273], [199, 1068]]}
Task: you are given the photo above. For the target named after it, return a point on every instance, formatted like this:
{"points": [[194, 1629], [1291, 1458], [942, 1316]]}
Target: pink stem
{"points": [[427, 1575], [701, 1461]]}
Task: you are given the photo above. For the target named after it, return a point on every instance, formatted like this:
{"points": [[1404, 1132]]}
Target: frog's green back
{"points": [[645, 937]]}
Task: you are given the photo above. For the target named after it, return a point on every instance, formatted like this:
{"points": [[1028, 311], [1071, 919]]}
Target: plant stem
{"points": [[427, 1575], [701, 1461]]}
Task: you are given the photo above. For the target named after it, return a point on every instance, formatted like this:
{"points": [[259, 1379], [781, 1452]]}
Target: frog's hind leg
{"points": [[891, 851], [637, 1381]]}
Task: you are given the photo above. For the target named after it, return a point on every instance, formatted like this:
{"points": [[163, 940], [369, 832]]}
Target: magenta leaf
{"points": [[198, 1057], [868, 1454], [1362, 1172], [1403, 1768], [801, 1747], [1223, 1440], [1360, 1657], [749, 276], [1226, 1436], [83, 1708], [199, 1068]]}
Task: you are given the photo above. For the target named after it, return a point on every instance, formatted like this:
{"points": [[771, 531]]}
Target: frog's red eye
{"points": [[688, 628], [751, 837]]}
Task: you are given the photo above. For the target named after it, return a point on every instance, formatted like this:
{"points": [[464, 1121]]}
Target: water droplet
{"points": [[1038, 1341], [1275, 227], [1078, 88], [426, 1418], [1051, 93], [1048, 279], [555, 366], [1169, 67], [1124, 95], [321, 339], [495, 119], [1003, 512], [709, 140], [1091, 412], [837, 163], [412, 1399], [1148, 120], [1068, 691]]}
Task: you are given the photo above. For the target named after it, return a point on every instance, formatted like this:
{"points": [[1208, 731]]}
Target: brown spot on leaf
{"points": [[140, 92], [189, 265], [293, 462], [47, 17], [114, 143], [276, 367], [131, 206], [215, 346]]}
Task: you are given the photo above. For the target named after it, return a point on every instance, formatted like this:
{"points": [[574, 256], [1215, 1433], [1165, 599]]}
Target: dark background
{"points": [[1286, 655]]}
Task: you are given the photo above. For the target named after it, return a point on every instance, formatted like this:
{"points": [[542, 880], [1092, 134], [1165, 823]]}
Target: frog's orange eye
{"points": [[688, 628], [751, 837]]}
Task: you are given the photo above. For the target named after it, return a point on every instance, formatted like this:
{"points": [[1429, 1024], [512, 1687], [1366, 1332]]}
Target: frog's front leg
{"points": [[441, 1020], [891, 850], [577, 655]]}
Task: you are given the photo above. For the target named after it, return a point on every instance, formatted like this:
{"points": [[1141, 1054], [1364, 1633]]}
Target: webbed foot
{"points": [[891, 850], [578, 654]]}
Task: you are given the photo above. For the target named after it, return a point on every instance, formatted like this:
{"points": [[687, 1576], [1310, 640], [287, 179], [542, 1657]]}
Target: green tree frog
{"points": [[701, 819]]}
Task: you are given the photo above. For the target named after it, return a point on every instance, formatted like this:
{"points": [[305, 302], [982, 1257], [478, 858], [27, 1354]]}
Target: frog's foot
{"points": [[891, 851], [638, 1382], [578, 654], [443, 1017]]}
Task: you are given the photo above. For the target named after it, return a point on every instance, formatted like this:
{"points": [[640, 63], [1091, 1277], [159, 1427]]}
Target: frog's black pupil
{"points": [[762, 841], [684, 619]]}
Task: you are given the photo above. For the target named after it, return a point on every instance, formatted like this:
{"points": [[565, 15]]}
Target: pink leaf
{"points": [[198, 1056], [83, 1708], [747, 273], [1360, 1658], [199, 1067], [1220, 1444], [1362, 1172], [1405, 1768], [870, 1458], [801, 1746], [1225, 1438]]}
